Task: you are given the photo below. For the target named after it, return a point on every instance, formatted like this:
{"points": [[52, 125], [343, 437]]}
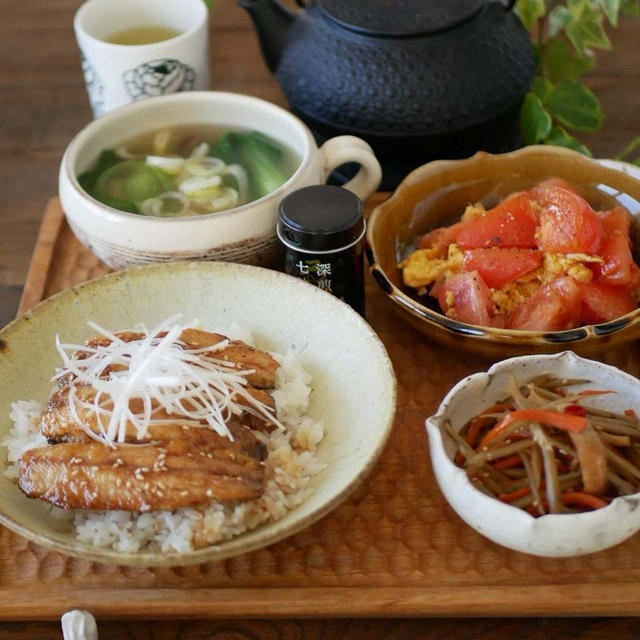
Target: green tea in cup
{"points": [[142, 35]]}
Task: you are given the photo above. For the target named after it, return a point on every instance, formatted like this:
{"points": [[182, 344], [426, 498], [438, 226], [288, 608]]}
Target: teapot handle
{"points": [[343, 149]]}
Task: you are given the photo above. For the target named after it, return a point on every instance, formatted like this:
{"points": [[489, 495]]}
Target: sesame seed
{"points": [[184, 493]]}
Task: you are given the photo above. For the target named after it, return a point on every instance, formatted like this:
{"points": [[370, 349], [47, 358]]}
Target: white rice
{"points": [[291, 462]]}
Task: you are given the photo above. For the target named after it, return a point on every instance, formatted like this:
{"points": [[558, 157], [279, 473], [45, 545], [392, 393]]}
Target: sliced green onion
{"points": [[228, 199], [200, 186], [200, 150], [204, 166], [125, 154], [169, 204], [172, 166], [161, 142], [240, 174]]}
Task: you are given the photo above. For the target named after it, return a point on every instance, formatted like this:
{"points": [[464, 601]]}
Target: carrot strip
{"points": [[630, 412], [480, 422], [581, 499], [508, 463], [575, 410], [514, 495], [564, 421], [594, 392]]}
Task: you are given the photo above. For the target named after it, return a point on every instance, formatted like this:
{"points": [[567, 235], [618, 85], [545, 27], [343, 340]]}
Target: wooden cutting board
{"points": [[394, 547]]}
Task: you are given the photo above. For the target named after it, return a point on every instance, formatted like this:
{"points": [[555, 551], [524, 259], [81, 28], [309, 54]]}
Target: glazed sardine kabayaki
{"points": [[176, 461]]}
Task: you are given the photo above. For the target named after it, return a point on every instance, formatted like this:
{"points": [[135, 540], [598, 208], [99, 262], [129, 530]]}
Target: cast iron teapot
{"points": [[418, 79]]}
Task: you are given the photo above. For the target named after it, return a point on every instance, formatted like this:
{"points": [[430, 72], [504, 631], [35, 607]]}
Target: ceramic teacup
{"points": [[116, 74], [244, 234]]}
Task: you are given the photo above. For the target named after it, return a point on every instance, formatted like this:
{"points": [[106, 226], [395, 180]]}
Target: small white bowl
{"points": [[553, 535], [244, 234], [354, 387]]}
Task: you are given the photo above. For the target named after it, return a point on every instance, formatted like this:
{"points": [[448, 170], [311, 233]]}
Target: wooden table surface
{"points": [[43, 103]]}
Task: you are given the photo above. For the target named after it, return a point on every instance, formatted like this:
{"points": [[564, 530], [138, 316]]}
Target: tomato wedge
{"points": [[499, 266], [553, 307], [617, 266], [568, 224], [469, 297], [616, 220], [441, 238], [603, 302], [550, 182], [510, 224]]}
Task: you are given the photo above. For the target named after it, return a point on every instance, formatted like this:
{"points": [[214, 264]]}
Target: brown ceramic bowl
{"points": [[436, 194]]}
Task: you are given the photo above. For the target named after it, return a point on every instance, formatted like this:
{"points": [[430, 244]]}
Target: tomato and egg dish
{"points": [[542, 259]]}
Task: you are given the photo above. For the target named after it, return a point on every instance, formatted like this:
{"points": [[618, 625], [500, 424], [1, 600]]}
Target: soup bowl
{"points": [[243, 234], [437, 193]]}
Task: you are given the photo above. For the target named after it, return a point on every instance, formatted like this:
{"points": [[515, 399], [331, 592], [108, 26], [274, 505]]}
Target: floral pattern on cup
{"points": [[158, 77], [95, 86]]}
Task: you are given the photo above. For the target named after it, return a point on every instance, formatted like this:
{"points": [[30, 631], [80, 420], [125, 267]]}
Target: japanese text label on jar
{"points": [[322, 229]]}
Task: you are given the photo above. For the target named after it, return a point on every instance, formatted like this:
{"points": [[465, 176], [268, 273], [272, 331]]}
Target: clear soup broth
{"points": [[189, 170]]}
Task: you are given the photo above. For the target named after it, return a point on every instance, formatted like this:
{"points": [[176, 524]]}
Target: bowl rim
{"points": [[276, 530], [480, 332], [84, 136]]}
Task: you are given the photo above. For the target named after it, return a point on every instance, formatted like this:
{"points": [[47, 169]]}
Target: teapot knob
{"points": [[508, 5]]}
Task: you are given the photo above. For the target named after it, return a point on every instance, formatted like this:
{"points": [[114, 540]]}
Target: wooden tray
{"points": [[394, 547]]}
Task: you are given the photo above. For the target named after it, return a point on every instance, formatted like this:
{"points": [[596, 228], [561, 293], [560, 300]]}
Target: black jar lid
{"points": [[399, 18], [321, 218]]}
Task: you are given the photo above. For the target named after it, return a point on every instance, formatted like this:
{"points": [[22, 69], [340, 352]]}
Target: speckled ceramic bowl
{"points": [[432, 196], [244, 234], [354, 389], [553, 535]]}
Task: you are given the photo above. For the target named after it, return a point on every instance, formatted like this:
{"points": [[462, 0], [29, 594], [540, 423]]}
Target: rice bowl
{"points": [[289, 466], [346, 370]]}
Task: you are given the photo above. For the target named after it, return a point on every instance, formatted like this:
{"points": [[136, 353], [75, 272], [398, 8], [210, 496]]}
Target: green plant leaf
{"points": [[611, 9], [542, 87], [636, 162], [630, 148], [559, 61], [529, 11], [584, 28], [630, 7], [560, 138], [559, 18], [535, 122], [575, 106]]}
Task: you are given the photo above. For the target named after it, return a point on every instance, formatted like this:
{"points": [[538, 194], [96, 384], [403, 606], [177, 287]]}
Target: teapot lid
{"points": [[399, 17]]}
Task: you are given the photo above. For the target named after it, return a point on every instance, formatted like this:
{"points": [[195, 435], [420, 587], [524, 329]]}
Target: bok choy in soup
{"points": [[188, 171]]}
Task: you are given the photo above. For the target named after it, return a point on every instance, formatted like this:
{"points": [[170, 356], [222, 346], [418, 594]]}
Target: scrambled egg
{"points": [[423, 268], [473, 211], [572, 264]]}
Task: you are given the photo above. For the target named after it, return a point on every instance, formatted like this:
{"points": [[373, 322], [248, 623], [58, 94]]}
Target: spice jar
{"points": [[322, 229]]}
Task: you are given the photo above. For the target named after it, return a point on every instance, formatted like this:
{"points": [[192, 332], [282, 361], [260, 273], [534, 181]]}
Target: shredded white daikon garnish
{"points": [[187, 386]]}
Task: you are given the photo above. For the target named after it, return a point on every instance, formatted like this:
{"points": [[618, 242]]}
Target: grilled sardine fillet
{"points": [[187, 471], [58, 423], [237, 352]]}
